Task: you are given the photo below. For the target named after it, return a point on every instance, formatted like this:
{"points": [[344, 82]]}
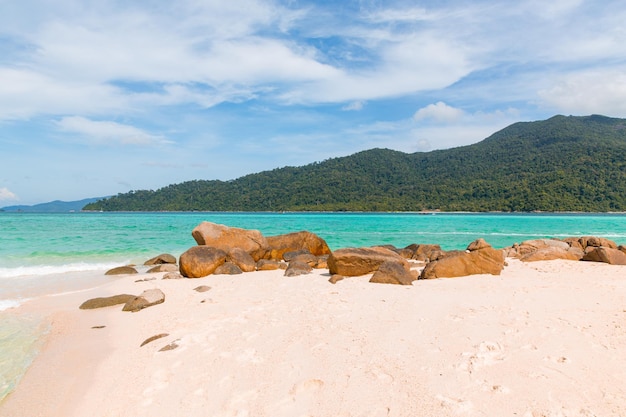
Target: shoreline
{"points": [[543, 338]]}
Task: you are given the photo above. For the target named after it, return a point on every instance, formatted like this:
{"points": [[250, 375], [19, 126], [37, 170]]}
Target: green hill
{"points": [[560, 164]]}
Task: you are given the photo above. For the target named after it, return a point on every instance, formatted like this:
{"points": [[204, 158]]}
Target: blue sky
{"points": [[102, 97]]}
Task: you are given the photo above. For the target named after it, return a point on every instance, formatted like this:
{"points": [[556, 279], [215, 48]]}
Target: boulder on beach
{"points": [[296, 268], [242, 259], [164, 258], [303, 240], [101, 302], [607, 255], [596, 242], [352, 262], [121, 270], [200, 261], [550, 253], [227, 268], [390, 272], [425, 253], [163, 268], [270, 265], [146, 299], [486, 260], [227, 238]]}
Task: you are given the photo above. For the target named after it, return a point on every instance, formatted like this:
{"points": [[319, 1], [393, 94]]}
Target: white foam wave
{"points": [[38, 270], [7, 304]]}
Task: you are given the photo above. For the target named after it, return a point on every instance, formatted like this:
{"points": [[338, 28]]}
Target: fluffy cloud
{"points": [[600, 92], [7, 195], [107, 132], [439, 112]]}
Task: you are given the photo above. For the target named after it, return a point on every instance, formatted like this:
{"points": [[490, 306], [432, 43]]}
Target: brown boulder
{"points": [[390, 272], [289, 242], [121, 270], [270, 265], [173, 275], [596, 242], [227, 238], [200, 261], [425, 252], [529, 246], [478, 244], [164, 258], [164, 268], [101, 302], [460, 264], [242, 259], [549, 253], [296, 268], [146, 299], [228, 268], [607, 255], [352, 262]]}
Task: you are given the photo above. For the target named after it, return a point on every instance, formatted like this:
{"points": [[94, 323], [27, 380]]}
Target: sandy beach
{"points": [[542, 339]]}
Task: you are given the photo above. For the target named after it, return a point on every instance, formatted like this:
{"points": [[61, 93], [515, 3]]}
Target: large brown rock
{"points": [[425, 252], [352, 262], [296, 241], [529, 246], [101, 302], [390, 272], [227, 238], [460, 264], [550, 253], [146, 299], [200, 261], [242, 259], [607, 255], [596, 242]]}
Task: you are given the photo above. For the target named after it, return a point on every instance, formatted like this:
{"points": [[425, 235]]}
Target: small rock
{"points": [[202, 288], [153, 338], [164, 258], [106, 301], [163, 268], [147, 298], [173, 275], [171, 346], [121, 270], [336, 278]]}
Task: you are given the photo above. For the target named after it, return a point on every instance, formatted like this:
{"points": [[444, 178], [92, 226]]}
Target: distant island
{"points": [[56, 206], [565, 163]]}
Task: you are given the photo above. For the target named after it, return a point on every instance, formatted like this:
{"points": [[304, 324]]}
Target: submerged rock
{"points": [[121, 270]]}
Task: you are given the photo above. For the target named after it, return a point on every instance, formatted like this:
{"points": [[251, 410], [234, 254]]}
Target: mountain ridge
{"points": [[564, 163]]}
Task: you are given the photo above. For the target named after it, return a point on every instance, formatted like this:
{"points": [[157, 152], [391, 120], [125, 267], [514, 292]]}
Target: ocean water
{"points": [[43, 254]]}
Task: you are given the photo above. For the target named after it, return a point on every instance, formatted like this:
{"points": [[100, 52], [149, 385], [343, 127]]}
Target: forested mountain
{"points": [[560, 164]]}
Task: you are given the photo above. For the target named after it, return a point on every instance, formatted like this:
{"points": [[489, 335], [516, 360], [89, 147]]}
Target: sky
{"points": [[101, 97]]}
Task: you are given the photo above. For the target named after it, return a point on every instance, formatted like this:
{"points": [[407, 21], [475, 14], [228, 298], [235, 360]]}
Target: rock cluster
{"points": [[231, 250], [585, 248]]}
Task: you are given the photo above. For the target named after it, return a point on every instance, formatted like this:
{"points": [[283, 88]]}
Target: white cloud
{"points": [[354, 106], [598, 91], [107, 132], [7, 195], [439, 112]]}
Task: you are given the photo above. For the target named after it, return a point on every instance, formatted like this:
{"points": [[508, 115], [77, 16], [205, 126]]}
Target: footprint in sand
{"points": [[487, 353]]}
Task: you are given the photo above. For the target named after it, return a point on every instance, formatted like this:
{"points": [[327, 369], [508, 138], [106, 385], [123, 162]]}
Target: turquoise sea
{"points": [[43, 254]]}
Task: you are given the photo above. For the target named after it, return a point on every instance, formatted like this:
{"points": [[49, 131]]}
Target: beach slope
{"points": [[542, 339]]}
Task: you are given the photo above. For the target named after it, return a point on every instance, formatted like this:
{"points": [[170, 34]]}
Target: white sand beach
{"points": [[542, 339]]}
